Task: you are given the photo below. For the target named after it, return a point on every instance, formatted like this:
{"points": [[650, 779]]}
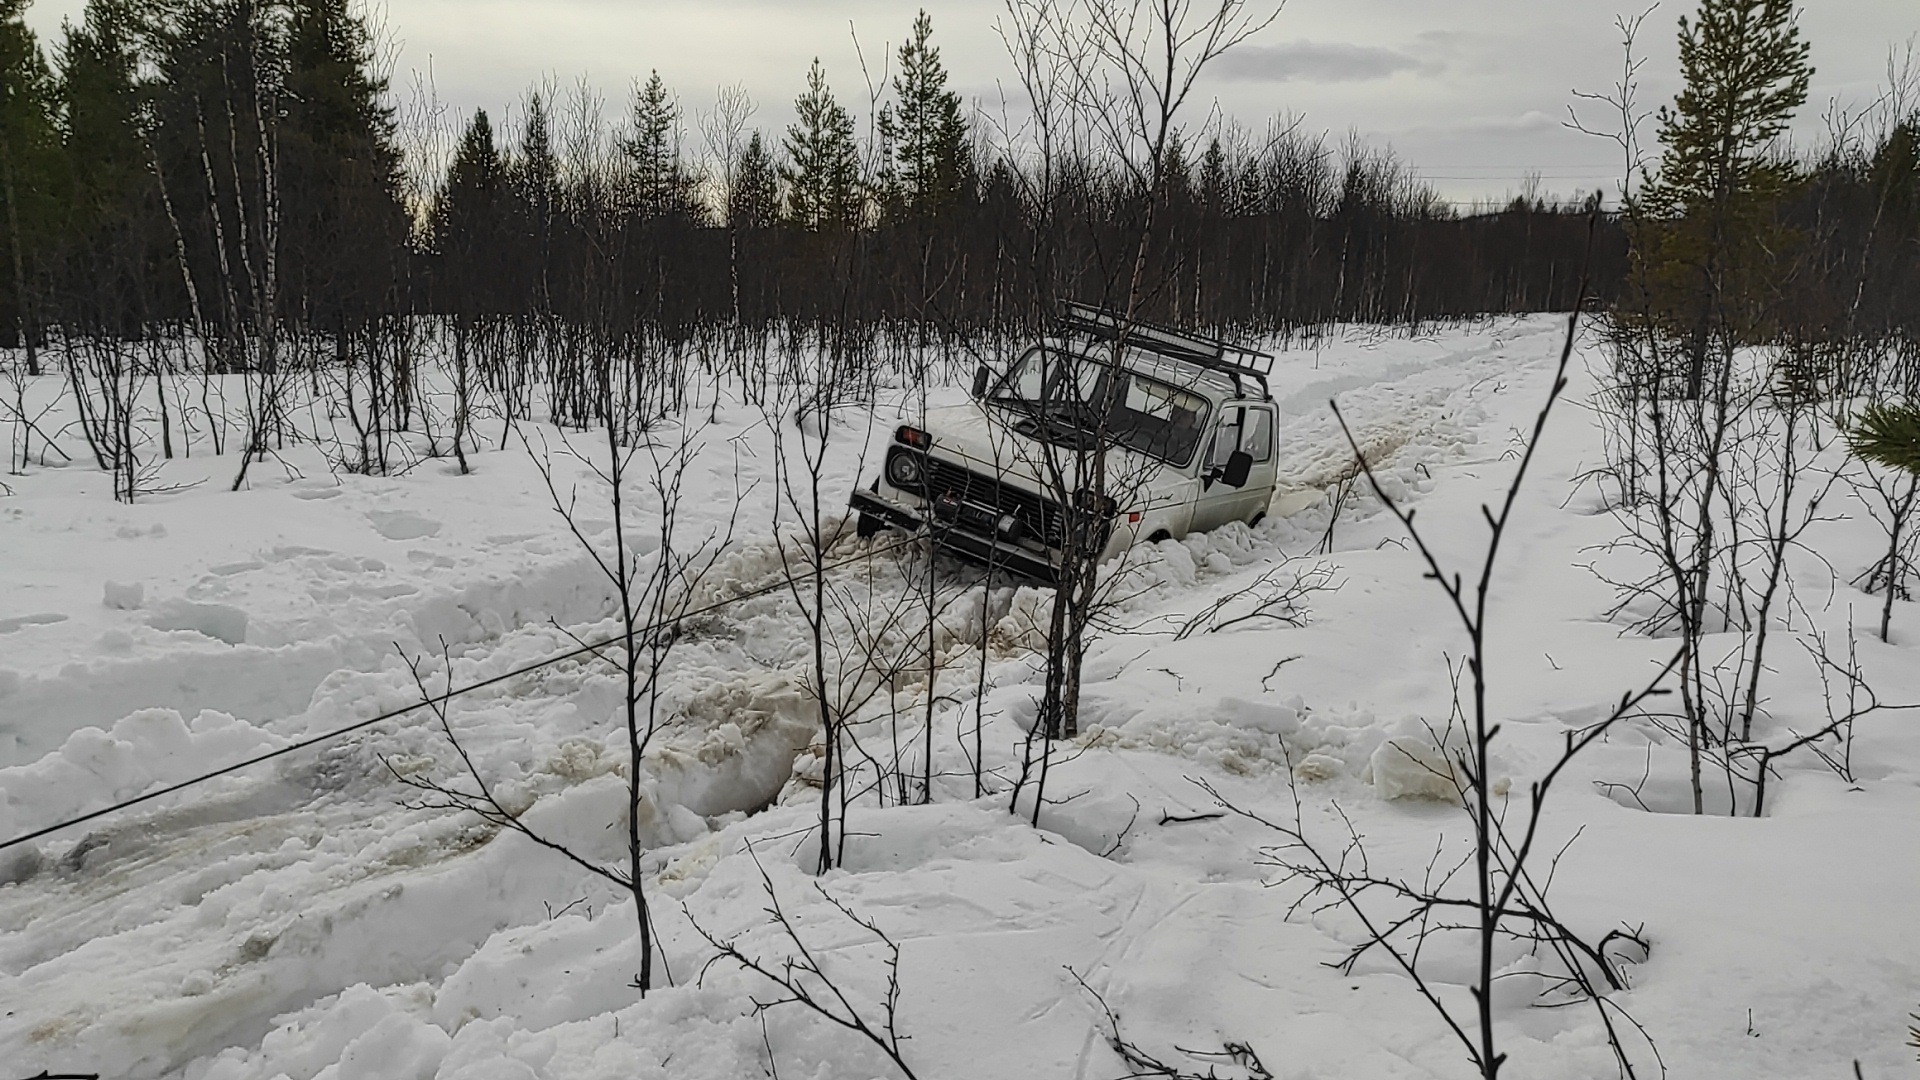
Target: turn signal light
{"points": [[914, 437]]}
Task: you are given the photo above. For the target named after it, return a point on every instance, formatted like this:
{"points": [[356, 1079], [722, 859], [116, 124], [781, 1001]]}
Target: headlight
{"points": [[903, 470]]}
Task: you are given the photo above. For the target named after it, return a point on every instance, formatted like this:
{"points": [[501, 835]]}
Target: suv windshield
{"points": [[1085, 395]]}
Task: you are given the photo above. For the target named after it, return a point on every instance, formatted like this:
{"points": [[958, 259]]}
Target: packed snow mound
{"points": [[128, 596], [1413, 767], [221, 622]]}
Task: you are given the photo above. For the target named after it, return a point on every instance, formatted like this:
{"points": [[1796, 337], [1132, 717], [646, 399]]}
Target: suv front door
{"points": [[1243, 426]]}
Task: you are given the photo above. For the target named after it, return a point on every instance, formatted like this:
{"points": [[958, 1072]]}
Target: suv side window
{"points": [[1257, 438], [1242, 428]]}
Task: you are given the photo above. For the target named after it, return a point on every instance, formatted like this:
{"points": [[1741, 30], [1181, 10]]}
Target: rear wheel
{"points": [[1159, 536], [1257, 519]]}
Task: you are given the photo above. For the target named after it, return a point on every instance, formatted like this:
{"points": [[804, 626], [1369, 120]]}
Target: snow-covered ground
{"points": [[310, 919]]}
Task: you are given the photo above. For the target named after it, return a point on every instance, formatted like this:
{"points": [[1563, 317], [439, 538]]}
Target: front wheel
{"points": [[866, 526]]}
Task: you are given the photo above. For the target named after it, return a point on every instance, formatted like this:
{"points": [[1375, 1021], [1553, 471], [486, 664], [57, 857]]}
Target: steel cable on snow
{"points": [[452, 692]]}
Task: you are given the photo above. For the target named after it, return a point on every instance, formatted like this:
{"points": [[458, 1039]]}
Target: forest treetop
{"points": [[213, 162]]}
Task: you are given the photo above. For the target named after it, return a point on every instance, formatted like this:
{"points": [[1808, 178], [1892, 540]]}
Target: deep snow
{"points": [[310, 920]]}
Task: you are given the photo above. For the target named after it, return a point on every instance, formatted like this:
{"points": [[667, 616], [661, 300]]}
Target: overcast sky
{"points": [[1471, 92]]}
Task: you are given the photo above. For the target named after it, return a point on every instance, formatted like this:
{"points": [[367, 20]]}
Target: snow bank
{"points": [[95, 768], [734, 746]]}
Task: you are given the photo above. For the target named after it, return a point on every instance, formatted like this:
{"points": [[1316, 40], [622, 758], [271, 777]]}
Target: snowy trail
{"points": [[309, 922], [248, 875], [327, 844], [277, 892]]}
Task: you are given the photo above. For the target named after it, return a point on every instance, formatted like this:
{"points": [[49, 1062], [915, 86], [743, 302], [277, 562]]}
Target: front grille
{"points": [[1038, 517]]}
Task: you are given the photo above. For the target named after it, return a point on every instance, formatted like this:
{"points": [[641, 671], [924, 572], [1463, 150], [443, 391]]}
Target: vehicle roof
{"points": [[1237, 364], [1229, 385]]}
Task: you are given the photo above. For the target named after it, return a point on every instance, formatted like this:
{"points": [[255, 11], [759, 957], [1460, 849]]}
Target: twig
{"points": [[802, 981], [1145, 1065]]}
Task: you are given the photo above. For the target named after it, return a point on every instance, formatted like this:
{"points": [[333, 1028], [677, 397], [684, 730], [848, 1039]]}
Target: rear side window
{"points": [[1243, 428], [1257, 438]]}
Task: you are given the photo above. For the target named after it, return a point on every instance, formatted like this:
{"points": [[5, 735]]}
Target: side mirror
{"points": [[981, 376], [1239, 469]]}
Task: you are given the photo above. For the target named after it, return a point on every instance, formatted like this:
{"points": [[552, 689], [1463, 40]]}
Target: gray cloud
{"points": [[1531, 122], [1312, 61]]}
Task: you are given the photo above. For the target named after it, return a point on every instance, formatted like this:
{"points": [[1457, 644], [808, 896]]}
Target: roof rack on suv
{"points": [[1235, 361]]}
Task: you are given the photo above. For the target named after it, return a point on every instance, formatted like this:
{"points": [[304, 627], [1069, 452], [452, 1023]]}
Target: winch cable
{"points": [[587, 647]]}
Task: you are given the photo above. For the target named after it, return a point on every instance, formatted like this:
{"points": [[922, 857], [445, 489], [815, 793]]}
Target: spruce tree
{"points": [[755, 201], [661, 185], [28, 173], [469, 202], [1888, 434], [467, 220], [216, 103], [1895, 175], [100, 105], [344, 228], [115, 243], [1703, 223], [823, 168], [1176, 180], [1215, 183], [533, 188], [929, 161]]}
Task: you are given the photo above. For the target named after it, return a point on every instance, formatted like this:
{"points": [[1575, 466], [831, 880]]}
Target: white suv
{"points": [[1183, 427]]}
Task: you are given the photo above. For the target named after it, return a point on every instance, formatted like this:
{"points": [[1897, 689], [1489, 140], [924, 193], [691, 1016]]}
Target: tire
{"points": [[1257, 519], [1157, 537], [866, 526]]}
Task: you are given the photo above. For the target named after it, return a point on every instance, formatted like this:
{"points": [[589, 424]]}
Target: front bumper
{"points": [[989, 552]]}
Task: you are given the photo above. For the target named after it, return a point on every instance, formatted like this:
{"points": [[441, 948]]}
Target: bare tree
{"points": [[849, 630], [1151, 53], [1116, 73], [724, 130], [1505, 896], [649, 457], [24, 423], [1622, 102]]}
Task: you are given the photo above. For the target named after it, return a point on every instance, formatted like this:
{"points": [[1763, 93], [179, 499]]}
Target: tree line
{"points": [[233, 171], [220, 165]]}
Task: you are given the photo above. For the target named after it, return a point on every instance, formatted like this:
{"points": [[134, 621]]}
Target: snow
{"points": [[1414, 767], [314, 919]]}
